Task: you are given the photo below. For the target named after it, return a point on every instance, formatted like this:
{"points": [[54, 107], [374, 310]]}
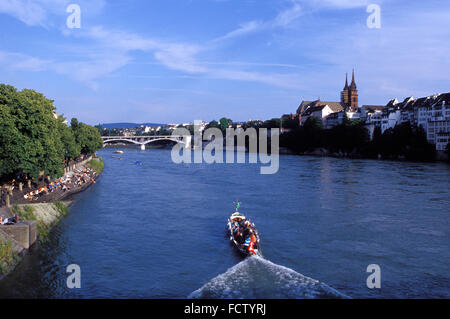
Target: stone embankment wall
{"points": [[35, 222]]}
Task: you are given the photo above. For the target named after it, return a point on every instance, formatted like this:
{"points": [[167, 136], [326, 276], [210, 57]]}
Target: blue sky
{"points": [[177, 61]]}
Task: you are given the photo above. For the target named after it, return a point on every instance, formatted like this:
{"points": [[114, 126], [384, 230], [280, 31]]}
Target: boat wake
{"points": [[258, 278]]}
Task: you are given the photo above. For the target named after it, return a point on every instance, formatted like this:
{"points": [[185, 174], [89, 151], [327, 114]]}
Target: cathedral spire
{"points": [[346, 81], [353, 84]]}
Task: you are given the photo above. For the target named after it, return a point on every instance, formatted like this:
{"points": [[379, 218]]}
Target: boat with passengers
{"points": [[243, 234]]}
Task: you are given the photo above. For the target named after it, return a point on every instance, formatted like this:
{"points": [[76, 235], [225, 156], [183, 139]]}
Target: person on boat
{"points": [[252, 244], [247, 243], [247, 230], [235, 224], [254, 240]]}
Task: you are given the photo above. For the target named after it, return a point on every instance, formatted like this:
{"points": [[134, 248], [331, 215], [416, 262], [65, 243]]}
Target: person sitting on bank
{"points": [[10, 220]]}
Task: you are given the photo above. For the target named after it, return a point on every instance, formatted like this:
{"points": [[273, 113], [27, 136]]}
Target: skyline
{"points": [[177, 61]]}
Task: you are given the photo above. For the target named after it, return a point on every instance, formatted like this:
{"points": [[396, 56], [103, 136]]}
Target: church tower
{"points": [[353, 95], [344, 93], [349, 95]]}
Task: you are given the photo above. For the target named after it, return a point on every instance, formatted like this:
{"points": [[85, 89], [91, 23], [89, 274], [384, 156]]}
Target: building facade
{"points": [[432, 113]]}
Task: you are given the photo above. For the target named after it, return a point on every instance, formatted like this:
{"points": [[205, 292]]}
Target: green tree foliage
{"points": [[254, 124], [32, 139], [347, 137], [306, 137], [272, 123], [71, 148], [225, 123], [87, 137], [212, 124], [99, 128], [406, 141], [116, 132], [288, 123], [351, 137]]}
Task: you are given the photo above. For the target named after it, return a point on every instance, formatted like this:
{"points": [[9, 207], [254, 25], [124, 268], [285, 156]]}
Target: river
{"points": [[155, 229]]}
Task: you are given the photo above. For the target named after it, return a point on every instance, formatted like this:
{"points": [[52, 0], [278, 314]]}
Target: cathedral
{"points": [[349, 96], [322, 109]]}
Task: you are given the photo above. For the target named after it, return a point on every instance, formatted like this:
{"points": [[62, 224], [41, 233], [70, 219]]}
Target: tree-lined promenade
{"points": [[34, 141]]}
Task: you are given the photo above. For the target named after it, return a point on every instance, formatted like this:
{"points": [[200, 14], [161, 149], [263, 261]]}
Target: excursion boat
{"points": [[246, 238], [118, 152]]}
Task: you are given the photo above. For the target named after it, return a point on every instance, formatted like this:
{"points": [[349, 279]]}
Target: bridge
{"points": [[144, 140]]}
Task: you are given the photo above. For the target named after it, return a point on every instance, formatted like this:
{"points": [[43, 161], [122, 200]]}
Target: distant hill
{"points": [[128, 125]]}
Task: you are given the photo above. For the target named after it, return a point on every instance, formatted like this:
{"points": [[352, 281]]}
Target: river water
{"points": [[157, 230]]}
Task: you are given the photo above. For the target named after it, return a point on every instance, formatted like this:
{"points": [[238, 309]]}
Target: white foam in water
{"points": [[257, 278]]}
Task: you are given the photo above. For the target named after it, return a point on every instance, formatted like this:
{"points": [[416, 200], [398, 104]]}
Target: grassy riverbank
{"points": [[8, 257], [46, 216], [96, 164]]}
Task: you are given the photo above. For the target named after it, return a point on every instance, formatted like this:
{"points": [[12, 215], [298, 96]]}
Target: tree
{"points": [[99, 128], [225, 123], [272, 123], [33, 139], [306, 137], [87, 137], [289, 123], [74, 124], [212, 124], [254, 124], [30, 139], [10, 135], [407, 141], [42, 128], [71, 149]]}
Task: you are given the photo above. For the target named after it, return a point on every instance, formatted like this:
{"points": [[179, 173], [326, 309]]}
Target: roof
{"points": [[305, 105], [318, 105], [335, 106], [445, 97], [314, 109], [373, 107], [392, 102]]}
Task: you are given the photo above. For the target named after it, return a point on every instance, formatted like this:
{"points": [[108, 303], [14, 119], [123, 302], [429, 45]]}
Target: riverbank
{"points": [[441, 157], [36, 219]]}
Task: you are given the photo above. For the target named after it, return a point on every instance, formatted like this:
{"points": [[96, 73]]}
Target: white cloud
{"points": [[339, 4], [85, 71], [116, 47], [42, 12], [400, 56], [282, 20], [29, 12]]}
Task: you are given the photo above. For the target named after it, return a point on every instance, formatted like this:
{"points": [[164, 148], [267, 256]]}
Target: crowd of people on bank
{"points": [[78, 178]]}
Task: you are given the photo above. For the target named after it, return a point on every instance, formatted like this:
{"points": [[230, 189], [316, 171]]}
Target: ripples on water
{"points": [[157, 230]]}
